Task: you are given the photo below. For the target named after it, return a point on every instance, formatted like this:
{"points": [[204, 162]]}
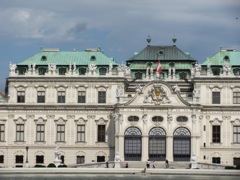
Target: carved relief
{"points": [[101, 121], [157, 95], [81, 121], [60, 121]]}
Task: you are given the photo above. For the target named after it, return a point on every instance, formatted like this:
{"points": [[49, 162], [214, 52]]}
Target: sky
{"points": [[119, 27]]}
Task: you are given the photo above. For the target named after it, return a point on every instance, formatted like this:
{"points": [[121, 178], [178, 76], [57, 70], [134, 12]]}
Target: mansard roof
{"points": [[55, 56], [164, 53], [220, 58]]}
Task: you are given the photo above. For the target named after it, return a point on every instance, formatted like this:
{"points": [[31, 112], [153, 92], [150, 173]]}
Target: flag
{"points": [[159, 68]]}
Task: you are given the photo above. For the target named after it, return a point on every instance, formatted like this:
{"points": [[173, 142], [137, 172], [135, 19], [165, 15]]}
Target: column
{"points": [[169, 148], [145, 148]]}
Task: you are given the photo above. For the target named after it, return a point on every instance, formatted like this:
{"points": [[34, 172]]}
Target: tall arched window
{"points": [[181, 144], [132, 144], [157, 144]]}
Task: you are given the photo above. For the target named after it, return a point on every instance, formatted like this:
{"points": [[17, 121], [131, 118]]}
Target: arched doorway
{"points": [[157, 144], [132, 144], [181, 144]]}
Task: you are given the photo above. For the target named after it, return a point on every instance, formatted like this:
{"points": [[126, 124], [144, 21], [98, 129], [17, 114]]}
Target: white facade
{"points": [[95, 131]]}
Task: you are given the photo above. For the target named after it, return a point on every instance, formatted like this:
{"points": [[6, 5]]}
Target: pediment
{"points": [[157, 93]]}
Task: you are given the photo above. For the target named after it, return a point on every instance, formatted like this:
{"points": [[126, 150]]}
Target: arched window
{"points": [[157, 144], [133, 119], [82, 71], [216, 71], [236, 72], [181, 144], [182, 75], [157, 119], [102, 71], [62, 71], [182, 119], [42, 71], [138, 75], [132, 144]]}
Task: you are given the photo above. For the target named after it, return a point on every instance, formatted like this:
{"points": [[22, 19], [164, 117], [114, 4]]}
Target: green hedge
{"points": [[238, 166], [229, 167], [51, 165], [39, 166], [62, 166]]}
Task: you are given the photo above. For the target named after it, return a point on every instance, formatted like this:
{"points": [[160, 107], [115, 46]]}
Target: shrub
{"points": [[39, 166], [229, 167], [238, 166], [51, 165], [62, 166]]}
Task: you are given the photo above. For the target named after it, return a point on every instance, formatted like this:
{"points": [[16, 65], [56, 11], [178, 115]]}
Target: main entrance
{"points": [[181, 144], [157, 144], [132, 144]]}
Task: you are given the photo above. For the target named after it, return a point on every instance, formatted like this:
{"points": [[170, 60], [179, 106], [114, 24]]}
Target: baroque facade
{"points": [[92, 108]]}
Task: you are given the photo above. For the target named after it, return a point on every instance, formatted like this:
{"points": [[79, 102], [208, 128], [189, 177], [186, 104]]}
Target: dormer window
{"points": [[102, 71], [82, 71], [171, 64], [44, 58], [161, 52], [216, 71], [62, 71], [226, 58], [93, 58]]}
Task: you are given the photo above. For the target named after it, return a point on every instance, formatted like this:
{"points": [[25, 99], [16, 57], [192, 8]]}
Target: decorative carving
{"points": [[52, 67], [157, 95], [124, 68], [101, 121], [12, 67], [176, 88], [92, 68], [80, 121], [60, 121], [119, 91], [227, 68], [139, 89]]}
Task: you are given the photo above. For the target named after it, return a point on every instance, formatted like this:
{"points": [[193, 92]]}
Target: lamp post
{"points": [[27, 154]]}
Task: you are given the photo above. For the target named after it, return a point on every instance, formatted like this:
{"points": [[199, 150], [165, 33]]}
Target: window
{"points": [[1, 158], [182, 75], [81, 133], [39, 159], [21, 71], [216, 160], [138, 75], [2, 132], [62, 71], [236, 97], [21, 97], [236, 161], [215, 97], [236, 72], [42, 71], [100, 158], [182, 119], [41, 96], [60, 133], [82, 71], [40, 132], [216, 134], [101, 133], [216, 72], [102, 71], [236, 134], [61, 96], [157, 119], [101, 96], [19, 159], [81, 97], [80, 159], [20, 132], [133, 119]]}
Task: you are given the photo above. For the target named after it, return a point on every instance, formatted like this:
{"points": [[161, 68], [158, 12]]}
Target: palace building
{"points": [[91, 107]]}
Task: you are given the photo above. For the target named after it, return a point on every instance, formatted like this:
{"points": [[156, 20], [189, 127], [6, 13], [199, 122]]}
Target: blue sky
{"points": [[120, 28]]}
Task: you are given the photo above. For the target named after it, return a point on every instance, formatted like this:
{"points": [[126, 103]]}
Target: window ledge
{"points": [[39, 142], [19, 142]]}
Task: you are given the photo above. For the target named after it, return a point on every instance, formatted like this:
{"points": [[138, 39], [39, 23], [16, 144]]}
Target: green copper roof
{"points": [[69, 57], [230, 55], [161, 52], [143, 66]]}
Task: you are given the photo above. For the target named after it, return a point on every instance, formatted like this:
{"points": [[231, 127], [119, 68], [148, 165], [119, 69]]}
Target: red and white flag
{"points": [[159, 67]]}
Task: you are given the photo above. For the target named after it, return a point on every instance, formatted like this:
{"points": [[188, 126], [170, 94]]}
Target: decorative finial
{"points": [[148, 39], [174, 39]]}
